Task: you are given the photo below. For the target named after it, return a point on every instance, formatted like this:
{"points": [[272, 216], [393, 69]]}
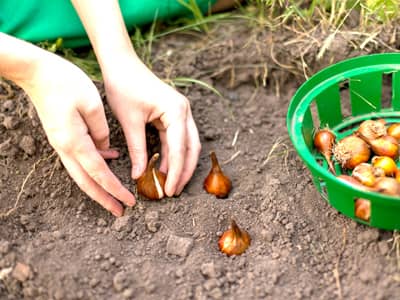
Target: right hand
{"points": [[72, 114]]}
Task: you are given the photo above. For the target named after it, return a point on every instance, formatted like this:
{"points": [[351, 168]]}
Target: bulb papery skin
{"points": [[351, 151], [216, 182], [371, 129], [234, 241], [354, 182], [151, 183], [365, 173], [385, 146], [388, 186]]}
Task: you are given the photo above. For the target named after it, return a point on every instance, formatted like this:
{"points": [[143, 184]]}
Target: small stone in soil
{"points": [[121, 223], [367, 275], [369, 235], [152, 221], [27, 144], [128, 293], [267, 235], [21, 272], [8, 106], [179, 246], [211, 134], [208, 270], [120, 281], [7, 149], [58, 235], [4, 247], [10, 122], [210, 284], [383, 247], [216, 293], [101, 222]]}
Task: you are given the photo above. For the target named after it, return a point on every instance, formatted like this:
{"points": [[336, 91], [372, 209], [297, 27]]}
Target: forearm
{"points": [[106, 29], [19, 60]]}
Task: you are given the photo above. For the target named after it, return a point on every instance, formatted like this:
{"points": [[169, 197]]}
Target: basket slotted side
{"points": [[363, 77]]}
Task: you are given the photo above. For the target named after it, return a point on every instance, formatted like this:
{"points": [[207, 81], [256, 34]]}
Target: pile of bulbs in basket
{"points": [[369, 155], [233, 241]]}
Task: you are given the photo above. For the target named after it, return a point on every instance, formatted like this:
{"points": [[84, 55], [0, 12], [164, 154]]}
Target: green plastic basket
{"points": [[341, 97]]}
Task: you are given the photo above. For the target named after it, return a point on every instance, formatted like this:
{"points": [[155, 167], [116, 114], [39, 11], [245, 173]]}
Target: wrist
{"points": [[20, 60]]}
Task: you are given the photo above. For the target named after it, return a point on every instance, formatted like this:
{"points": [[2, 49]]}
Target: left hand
{"points": [[137, 97]]}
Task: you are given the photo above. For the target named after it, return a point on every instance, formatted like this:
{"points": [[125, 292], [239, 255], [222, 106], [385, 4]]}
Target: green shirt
{"points": [[39, 20]]}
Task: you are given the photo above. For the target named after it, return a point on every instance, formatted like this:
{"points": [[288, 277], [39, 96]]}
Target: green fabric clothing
{"points": [[39, 20]]}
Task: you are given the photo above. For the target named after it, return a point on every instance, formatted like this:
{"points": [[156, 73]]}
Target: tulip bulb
{"points": [[385, 146], [388, 186], [371, 129], [351, 151], [216, 182], [354, 182], [151, 183], [324, 140], [386, 163], [234, 241], [367, 174]]}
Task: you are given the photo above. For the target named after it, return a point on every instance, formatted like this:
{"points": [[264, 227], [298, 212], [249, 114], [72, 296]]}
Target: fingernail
{"points": [[136, 171], [117, 213], [132, 203]]}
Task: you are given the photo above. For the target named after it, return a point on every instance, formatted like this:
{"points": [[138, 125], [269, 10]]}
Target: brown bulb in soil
{"points": [[371, 129], [324, 140], [394, 131], [367, 174], [362, 209], [386, 163], [351, 151], [234, 241], [385, 146], [216, 182], [151, 183]]}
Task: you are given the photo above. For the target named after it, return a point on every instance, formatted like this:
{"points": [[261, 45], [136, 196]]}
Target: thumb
{"points": [[135, 135]]}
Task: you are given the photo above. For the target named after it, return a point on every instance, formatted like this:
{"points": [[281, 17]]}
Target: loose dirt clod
{"points": [[179, 246]]}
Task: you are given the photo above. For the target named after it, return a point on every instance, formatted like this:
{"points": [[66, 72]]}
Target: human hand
{"points": [[73, 117], [137, 97]]}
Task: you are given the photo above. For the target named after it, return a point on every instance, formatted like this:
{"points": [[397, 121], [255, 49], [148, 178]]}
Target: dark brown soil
{"points": [[58, 244]]}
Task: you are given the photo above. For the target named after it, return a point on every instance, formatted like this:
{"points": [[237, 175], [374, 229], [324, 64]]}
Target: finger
{"points": [[93, 114], [192, 154], [91, 188], [176, 140], [164, 152], [109, 154], [97, 169], [135, 134]]}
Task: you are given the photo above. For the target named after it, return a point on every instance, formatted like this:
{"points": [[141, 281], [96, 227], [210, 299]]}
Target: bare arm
{"points": [[19, 59], [137, 97], [72, 115]]}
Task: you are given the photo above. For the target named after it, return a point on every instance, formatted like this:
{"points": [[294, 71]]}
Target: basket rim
{"points": [[306, 93]]}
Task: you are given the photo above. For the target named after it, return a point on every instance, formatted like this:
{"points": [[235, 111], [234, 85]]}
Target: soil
{"points": [[56, 243]]}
